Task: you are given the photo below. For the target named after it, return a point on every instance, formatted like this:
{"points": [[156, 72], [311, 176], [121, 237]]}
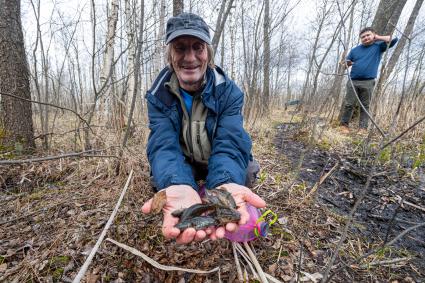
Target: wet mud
{"points": [[389, 204]]}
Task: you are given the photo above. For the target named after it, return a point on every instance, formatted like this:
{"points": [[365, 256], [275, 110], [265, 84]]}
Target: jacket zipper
{"points": [[198, 139], [189, 137]]}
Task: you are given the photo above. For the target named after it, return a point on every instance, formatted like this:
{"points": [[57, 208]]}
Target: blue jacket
{"points": [[230, 143]]}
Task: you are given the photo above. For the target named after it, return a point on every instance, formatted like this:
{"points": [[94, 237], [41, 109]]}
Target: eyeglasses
{"points": [[197, 47]]}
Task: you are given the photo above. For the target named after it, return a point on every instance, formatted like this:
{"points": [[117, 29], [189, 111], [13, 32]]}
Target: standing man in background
{"points": [[364, 60]]}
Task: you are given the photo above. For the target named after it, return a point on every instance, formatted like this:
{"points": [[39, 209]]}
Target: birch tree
{"points": [[108, 58]]}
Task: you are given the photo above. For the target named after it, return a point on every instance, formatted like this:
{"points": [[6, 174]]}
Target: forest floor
{"points": [[52, 213]]}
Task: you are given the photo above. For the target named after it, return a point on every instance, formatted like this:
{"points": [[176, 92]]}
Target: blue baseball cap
{"points": [[187, 24]]}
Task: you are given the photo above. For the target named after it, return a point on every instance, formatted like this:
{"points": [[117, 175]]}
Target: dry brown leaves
{"points": [[158, 201]]}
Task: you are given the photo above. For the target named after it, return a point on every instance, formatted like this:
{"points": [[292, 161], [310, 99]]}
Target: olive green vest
{"points": [[194, 138]]}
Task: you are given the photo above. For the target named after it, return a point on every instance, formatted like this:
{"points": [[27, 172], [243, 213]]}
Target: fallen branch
{"points": [[158, 265], [321, 180], [411, 204], [86, 264], [74, 154], [385, 262]]}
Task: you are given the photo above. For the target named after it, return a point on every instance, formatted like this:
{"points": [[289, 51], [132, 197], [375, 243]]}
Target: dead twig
{"points": [[410, 204], [321, 180], [385, 262], [82, 154]]}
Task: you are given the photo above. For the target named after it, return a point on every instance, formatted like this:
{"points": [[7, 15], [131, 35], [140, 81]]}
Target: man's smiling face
{"points": [[189, 58]]}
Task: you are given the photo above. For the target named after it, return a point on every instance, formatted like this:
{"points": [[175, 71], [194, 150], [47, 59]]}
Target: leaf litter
{"points": [[51, 216]]}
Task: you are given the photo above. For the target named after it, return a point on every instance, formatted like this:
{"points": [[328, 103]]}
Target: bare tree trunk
{"points": [[108, 56], [221, 21], [222, 51], [322, 19], [232, 49], [335, 91], [178, 7], [387, 16], [130, 17], [16, 127], [253, 95], [136, 72], [400, 44], [41, 89], [385, 20], [266, 70], [159, 45], [106, 71]]}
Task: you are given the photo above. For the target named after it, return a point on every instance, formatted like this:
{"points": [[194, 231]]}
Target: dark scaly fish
{"points": [[198, 222], [178, 212], [193, 211], [227, 215], [220, 198]]}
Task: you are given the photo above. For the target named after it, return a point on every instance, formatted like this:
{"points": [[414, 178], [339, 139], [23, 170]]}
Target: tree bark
{"points": [[178, 7], [390, 11], [159, 45], [16, 115], [402, 42], [221, 21], [387, 16], [336, 88], [266, 70], [137, 67]]}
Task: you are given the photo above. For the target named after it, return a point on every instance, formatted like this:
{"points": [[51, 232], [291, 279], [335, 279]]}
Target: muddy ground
{"points": [[389, 204]]}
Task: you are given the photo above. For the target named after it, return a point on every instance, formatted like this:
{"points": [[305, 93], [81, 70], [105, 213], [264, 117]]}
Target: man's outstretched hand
{"points": [[184, 196], [242, 196], [177, 197]]}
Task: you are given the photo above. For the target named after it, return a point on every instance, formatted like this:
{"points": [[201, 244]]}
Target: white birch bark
{"points": [[130, 28], [159, 45], [108, 56]]}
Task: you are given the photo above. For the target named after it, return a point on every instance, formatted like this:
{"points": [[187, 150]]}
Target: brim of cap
{"points": [[190, 32]]}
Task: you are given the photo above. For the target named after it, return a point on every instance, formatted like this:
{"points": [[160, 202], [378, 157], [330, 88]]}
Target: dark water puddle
{"points": [[382, 202]]}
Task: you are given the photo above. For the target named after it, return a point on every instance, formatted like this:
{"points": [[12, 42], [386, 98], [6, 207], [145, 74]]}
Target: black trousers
{"points": [[364, 90]]}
